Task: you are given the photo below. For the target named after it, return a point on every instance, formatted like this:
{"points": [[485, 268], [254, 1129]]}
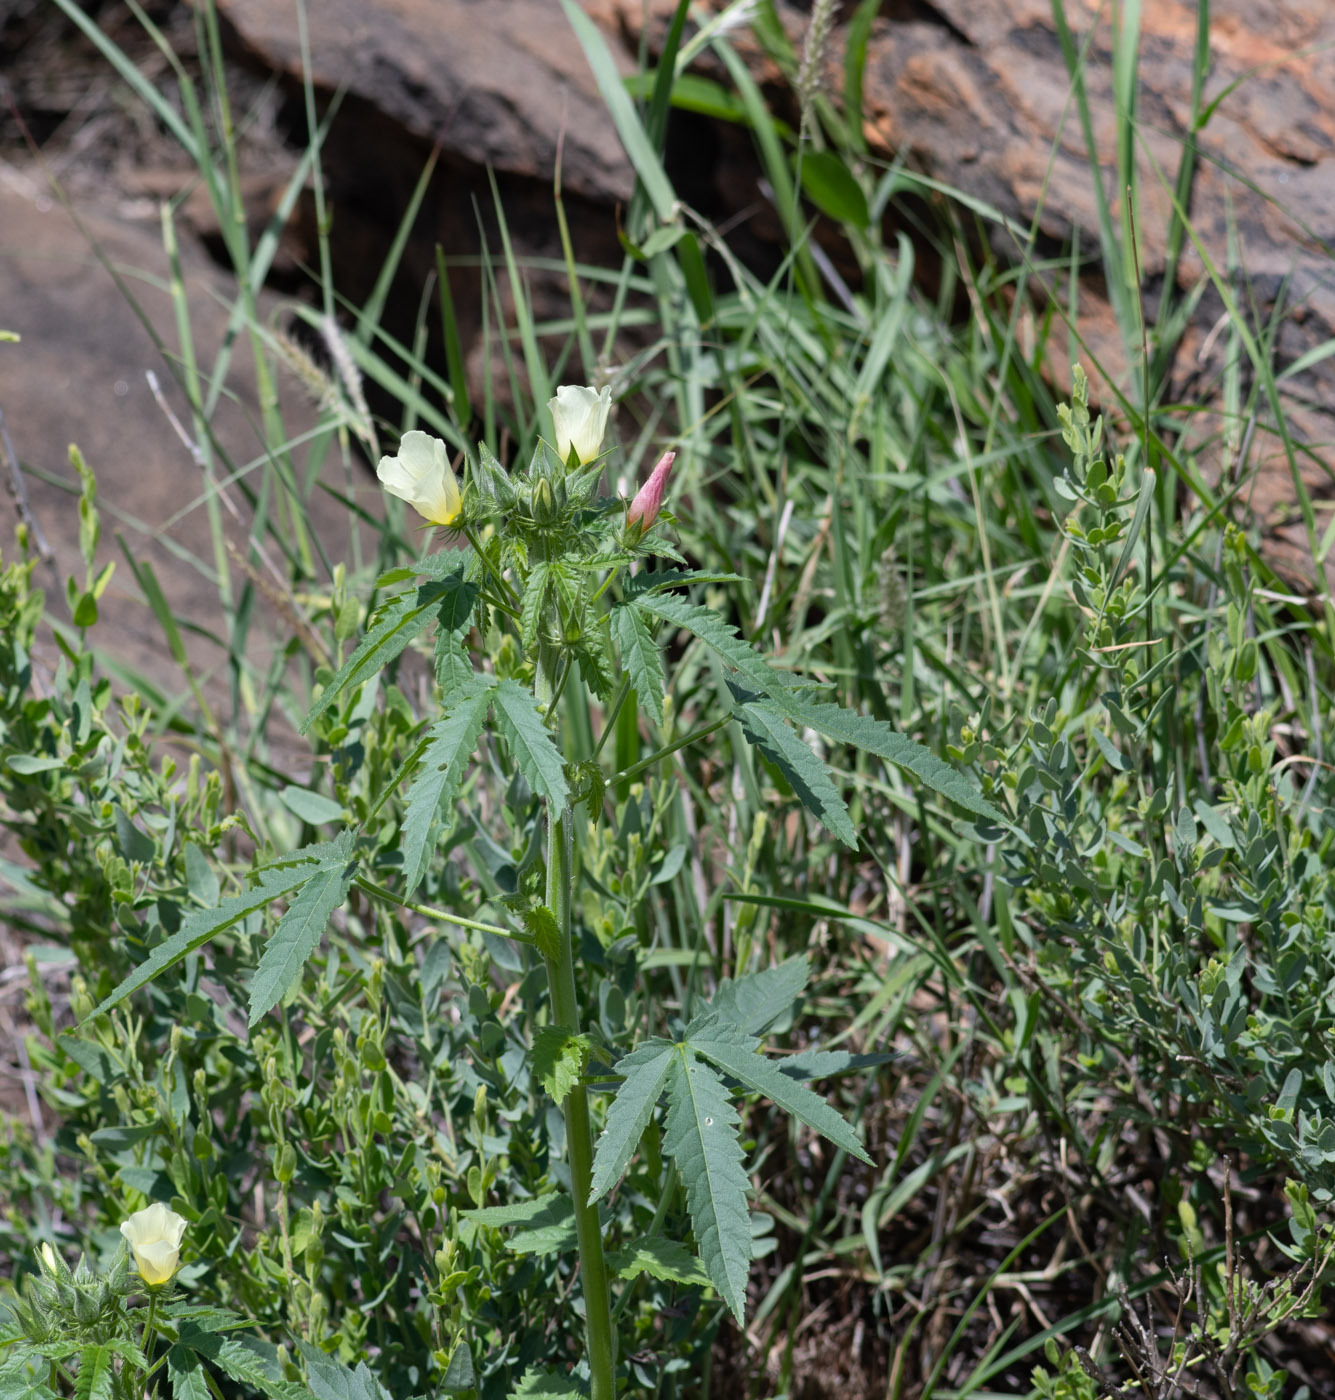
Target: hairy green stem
{"points": [[600, 1340]]}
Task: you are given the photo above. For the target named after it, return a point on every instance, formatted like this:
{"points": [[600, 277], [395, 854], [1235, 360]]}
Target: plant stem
{"points": [[600, 1341]]}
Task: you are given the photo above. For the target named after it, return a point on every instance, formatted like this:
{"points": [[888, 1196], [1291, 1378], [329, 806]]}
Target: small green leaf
{"points": [[541, 923], [558, 1060], [26, 764], [640, 657], [299, 931], [200, 878], [310, 806], [546, 1385], [832, 188], [530, 741], [644, 1072], [660, 1258], [701, 1138]]}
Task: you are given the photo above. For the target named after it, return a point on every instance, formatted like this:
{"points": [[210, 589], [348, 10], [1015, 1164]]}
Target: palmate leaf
{"points": [[701, 1138], [764, 725], [530, 742], [203, 924], [644, 1072], [450, 745], [753, 1003], [640, 657], [300, 929], [734, 1052], [402, 618]]}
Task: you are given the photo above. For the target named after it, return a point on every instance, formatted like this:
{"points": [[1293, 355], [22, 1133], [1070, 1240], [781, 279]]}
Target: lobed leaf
{"points": [[186, 1373], [661, 1258], [874, 736], [715, 633]]}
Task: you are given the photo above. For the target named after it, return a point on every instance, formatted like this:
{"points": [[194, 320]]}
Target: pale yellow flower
{"points": [[579, 415], [421, 475], [154, 1236]]}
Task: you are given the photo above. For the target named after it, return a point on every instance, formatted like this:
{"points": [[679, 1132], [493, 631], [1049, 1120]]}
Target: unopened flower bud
{"points": [[649, 498]]}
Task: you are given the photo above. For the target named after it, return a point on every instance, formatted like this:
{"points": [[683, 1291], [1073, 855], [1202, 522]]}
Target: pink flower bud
{"points": [[649, 498]]}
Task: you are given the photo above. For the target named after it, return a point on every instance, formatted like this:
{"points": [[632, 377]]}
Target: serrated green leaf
{"points": [[548, 1223], [530, 741], [715, 633], [449, 750], [644, 1072], [874, 736], [558, 1060], [701, 1138], [96, 1374], [764, 725], [196, 929], [541, 923], [249, 1360], [597, 664], [454, 671], [754, 1002], [525, 1213], [546, 1385], [402, 618], [330, 1379], [734, 1052], [640, 657], [21, 1381], [651, 580], [299, 932], [660, 1258], [530, 607], [186, 1374], [312, 807]]}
